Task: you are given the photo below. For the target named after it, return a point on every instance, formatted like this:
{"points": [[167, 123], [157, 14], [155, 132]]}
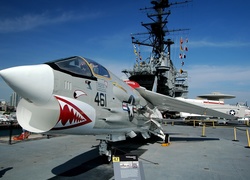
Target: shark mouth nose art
{"points": [[71, 114]]}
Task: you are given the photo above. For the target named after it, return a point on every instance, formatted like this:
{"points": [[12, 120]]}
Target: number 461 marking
{"points": [[100, 99]]}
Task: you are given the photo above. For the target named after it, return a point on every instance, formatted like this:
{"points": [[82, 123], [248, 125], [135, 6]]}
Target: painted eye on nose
{"points": [[78, 93]]}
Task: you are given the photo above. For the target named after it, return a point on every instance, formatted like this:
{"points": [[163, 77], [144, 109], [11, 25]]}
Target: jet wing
{"points": [[169, 103]]}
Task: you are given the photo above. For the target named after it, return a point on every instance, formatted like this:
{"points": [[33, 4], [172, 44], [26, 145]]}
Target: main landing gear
{"points": [[107, 151]]}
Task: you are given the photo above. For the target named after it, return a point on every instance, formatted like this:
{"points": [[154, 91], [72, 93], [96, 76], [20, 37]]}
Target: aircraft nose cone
{"points": [[35, 83]]}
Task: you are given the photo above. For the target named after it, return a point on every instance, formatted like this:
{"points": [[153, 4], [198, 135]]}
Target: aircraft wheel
{"points": [[107, 158], [105, 150]]}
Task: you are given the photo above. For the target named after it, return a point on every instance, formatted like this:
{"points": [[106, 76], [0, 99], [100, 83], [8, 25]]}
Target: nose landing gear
{"points": [[105, 151]]}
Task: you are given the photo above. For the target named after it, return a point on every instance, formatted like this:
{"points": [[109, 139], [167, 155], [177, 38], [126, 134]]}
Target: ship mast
{"points": [[159, 73]]}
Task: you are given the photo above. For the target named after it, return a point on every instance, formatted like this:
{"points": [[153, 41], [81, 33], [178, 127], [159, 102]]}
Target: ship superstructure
{"points": [[158, 72]]}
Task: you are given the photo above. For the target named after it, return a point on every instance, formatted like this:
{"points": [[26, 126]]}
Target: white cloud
{"points": [[204, 74], [225, 79], [206, 43], [30, 21]]}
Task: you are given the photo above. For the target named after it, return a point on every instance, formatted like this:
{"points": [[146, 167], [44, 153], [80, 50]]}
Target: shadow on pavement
{"points": [[3, 171], [90, 165]]}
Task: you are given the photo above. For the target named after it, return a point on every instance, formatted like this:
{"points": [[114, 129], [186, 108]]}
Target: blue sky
{"points": [[33, 32]]}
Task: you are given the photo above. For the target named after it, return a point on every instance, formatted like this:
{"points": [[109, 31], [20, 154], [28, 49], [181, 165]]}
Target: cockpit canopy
{"points": [[78, 66], [98, 69]]}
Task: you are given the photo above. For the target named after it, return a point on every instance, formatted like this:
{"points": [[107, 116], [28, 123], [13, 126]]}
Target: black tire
{"points": [[107, 159]]}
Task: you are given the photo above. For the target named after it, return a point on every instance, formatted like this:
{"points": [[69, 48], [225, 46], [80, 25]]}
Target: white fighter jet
{"points": [[238, 110], [79, 96]]}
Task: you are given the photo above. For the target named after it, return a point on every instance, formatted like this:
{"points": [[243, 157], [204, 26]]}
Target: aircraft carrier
{"points": [[158, 72], [193, 153], [217, 154]]}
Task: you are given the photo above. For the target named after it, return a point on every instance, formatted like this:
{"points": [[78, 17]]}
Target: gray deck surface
{"points": [[189, 156]]}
